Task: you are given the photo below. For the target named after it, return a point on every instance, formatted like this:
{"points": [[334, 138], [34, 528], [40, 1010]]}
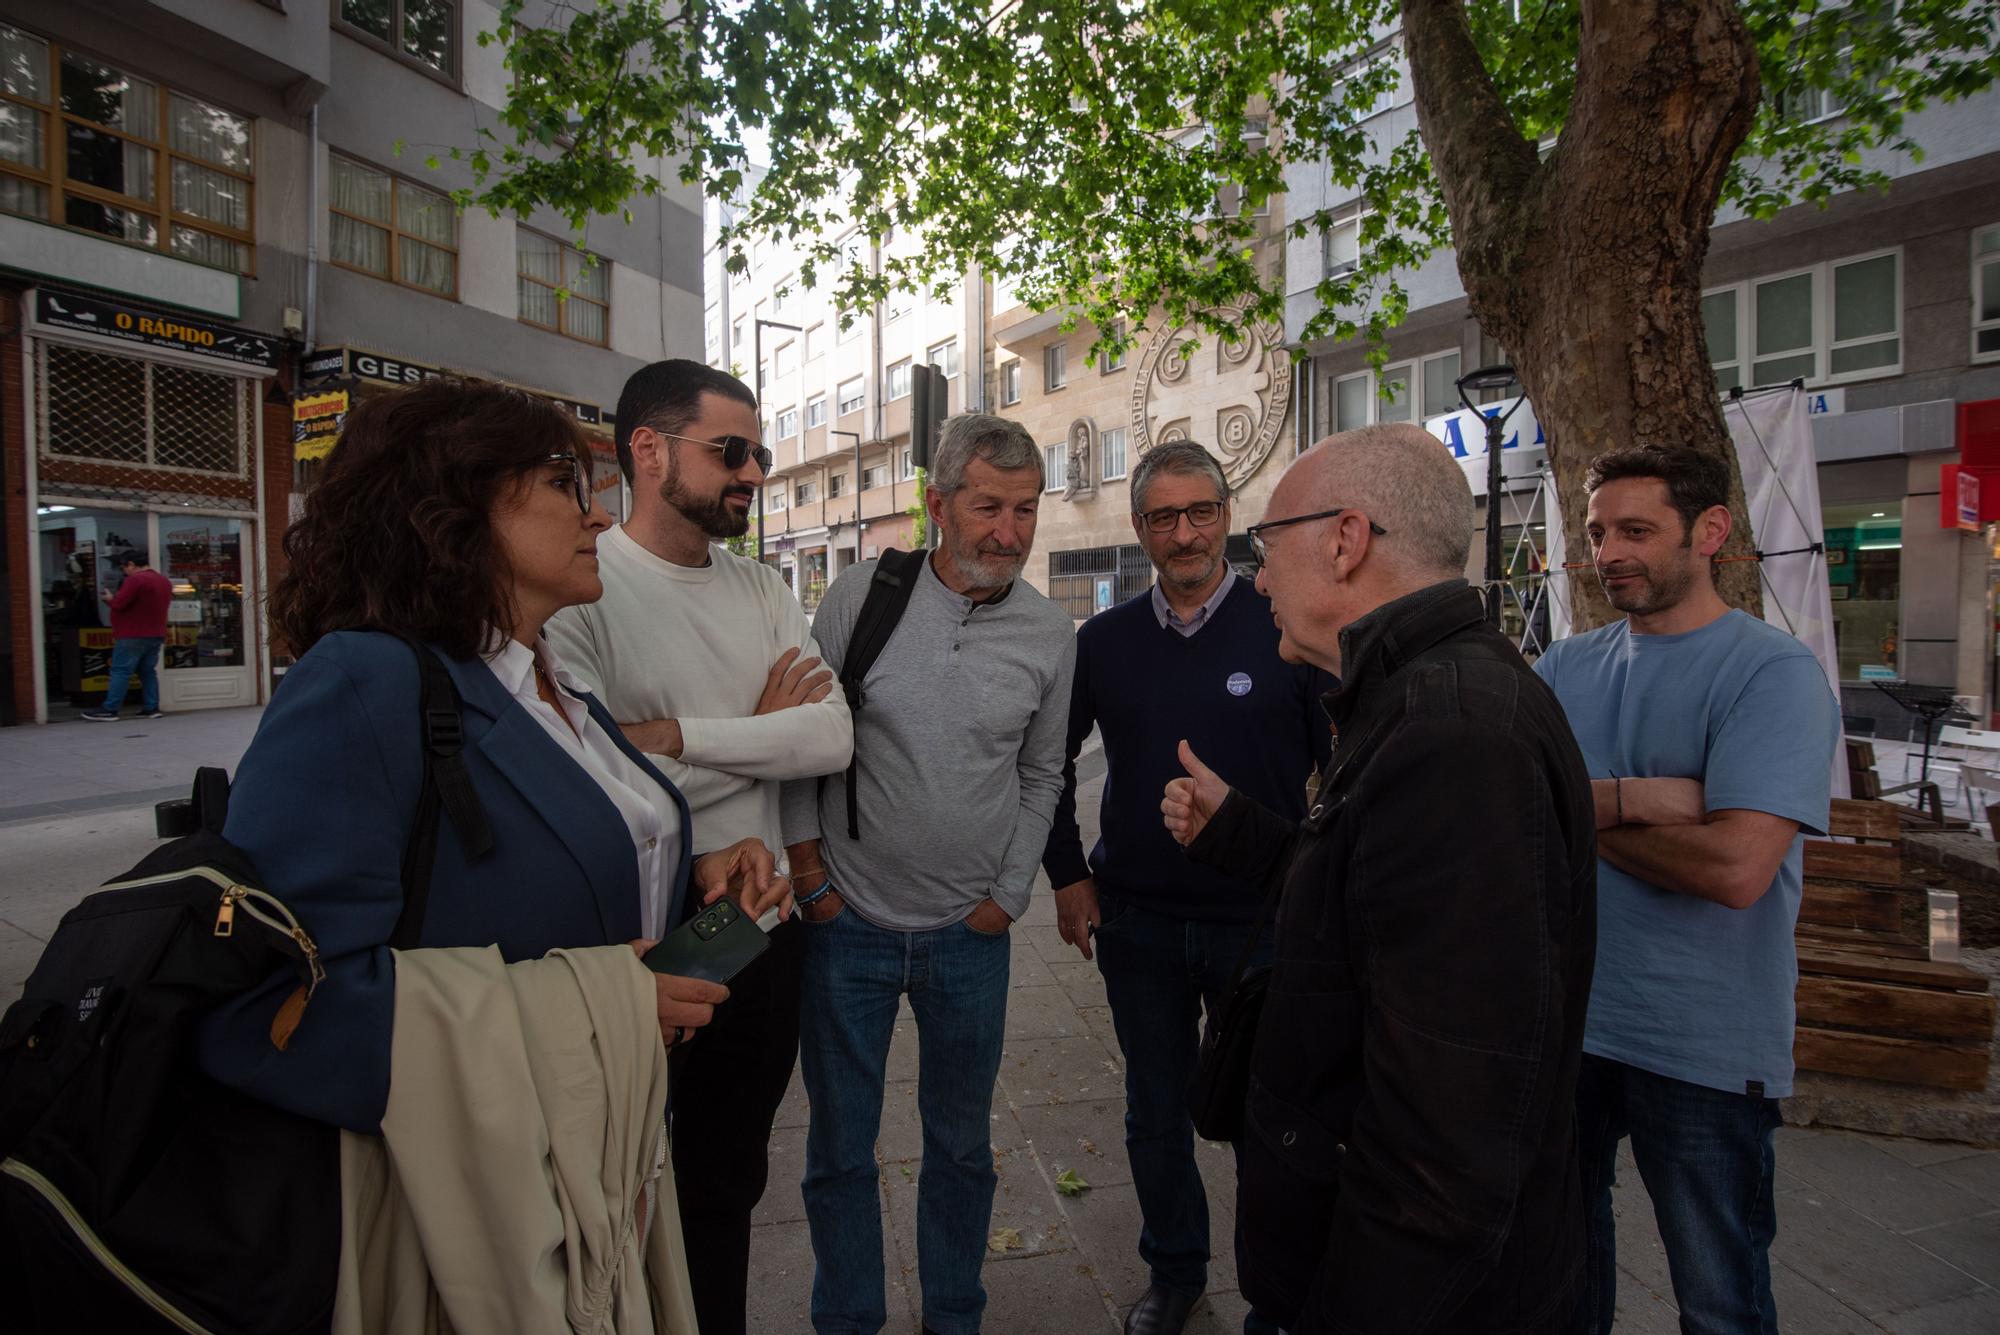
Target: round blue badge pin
{"points": [[1239, 683]]}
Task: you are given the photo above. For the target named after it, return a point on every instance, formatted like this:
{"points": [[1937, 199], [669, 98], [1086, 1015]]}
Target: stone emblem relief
{"points": [[1080, 482], [1250, 381]]}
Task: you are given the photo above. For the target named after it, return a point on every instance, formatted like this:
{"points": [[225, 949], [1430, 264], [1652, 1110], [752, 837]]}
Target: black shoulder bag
{"points": [[888, 594]]}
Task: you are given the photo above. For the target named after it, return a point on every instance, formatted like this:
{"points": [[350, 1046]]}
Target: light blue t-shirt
{"points": [[1685, 987]]}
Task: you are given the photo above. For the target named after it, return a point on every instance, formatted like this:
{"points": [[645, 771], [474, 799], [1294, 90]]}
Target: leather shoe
{"points": [[1162, 1311]]}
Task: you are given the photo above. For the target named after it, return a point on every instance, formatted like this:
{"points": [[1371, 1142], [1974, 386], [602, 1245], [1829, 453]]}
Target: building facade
{"points": [[1886, 305], [220, 227]]}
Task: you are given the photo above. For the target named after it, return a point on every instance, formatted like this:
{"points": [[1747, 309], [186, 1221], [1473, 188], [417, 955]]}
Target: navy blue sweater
{"points": [[1251, 717]]}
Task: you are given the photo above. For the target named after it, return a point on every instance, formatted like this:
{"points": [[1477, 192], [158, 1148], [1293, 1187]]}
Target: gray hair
{"points": [[1180, 457], [1403, 478], [1003, 444]]}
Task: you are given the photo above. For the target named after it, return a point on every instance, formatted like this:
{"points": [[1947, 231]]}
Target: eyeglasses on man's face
{"points": [[1257, 531], [736, 450], [574, 474], [1202, 514]]}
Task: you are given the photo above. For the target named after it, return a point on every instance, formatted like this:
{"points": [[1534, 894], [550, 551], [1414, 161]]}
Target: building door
{"points": [[208, 662]]}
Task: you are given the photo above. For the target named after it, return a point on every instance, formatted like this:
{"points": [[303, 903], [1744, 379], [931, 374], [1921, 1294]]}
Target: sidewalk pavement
{"points": [[1874, 1234]]}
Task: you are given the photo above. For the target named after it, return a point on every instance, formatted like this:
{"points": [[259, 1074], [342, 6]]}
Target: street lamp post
{"points": [[857, 487], [756, 378], [1483, 380]]}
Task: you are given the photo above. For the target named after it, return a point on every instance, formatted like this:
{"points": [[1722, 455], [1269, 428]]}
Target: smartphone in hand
{"points": [[716, 944]]}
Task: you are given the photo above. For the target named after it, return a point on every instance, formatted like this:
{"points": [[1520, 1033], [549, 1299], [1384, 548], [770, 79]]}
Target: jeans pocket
{"points": [[1001, 935]]}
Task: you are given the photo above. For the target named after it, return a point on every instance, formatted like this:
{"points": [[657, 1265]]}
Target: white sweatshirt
{"points": [[696, 644]]}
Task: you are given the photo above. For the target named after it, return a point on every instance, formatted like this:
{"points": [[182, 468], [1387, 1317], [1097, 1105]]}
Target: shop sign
{"points": [[316, 422], [155, 329], [1826, 402], [1522, 445], [1968, 500], [326, 364], [340, 363]]}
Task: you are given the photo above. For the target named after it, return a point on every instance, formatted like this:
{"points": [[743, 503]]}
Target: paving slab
{"points": [[1975, 1314], [1973, 1245], [1879, 1185], [1088, 1136], [1977, 1173], [1854, 1259], [1060, 1070], [1043, 1012]]}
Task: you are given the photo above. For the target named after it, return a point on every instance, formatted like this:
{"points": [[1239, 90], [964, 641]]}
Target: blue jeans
{"points": [[138, 654], [1159, 974], [956, 979], [1706, 1158]]}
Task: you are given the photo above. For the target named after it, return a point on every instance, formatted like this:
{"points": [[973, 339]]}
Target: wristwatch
{"points": [[807, 901]]}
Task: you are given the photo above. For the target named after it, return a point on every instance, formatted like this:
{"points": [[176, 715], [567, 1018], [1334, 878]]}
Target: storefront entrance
{"points": [[208, 659]]}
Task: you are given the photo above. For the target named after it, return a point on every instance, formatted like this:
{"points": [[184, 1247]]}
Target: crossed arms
{"points": [[1659, 831]]}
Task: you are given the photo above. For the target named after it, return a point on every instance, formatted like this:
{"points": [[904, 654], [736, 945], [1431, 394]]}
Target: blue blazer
{"points": [[323, 803]]}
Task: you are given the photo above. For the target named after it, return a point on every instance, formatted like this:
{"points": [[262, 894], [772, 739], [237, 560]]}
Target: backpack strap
{"points": [[447, 786], [888, 594]]}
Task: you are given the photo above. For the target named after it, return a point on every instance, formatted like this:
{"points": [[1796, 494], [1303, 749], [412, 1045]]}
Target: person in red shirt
{"points": [[138, 629]]}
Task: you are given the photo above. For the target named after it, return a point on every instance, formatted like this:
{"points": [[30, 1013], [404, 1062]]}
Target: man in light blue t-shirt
{"points": [[1709, 736]]}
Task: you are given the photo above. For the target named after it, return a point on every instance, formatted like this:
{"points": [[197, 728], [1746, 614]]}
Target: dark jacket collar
{"points": [[1373, 647]]}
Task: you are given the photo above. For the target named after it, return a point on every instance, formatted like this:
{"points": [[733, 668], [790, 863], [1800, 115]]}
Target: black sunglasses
{"points": [[579, 476], [1256, 532], [1199, 515], [736, 450]]}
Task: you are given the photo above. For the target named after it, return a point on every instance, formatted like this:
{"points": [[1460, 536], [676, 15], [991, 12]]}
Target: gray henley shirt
{"points": [[959, 744]]}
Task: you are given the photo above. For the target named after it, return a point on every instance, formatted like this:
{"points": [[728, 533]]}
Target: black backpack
{"points": [[136, 1193], [888, 594]]}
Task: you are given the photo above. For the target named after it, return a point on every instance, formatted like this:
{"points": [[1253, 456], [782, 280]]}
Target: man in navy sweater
{"points": [[1196, 656]]}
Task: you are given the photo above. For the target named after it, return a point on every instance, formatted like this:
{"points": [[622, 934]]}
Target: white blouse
{"points": [[647, 808]]}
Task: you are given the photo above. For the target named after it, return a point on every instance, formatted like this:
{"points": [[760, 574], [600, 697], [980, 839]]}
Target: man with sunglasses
{"points": [[708, 661], [1195, 656], [1410, 1151]]}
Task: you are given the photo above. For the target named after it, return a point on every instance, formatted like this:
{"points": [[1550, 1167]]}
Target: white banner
{"points": [[1774, 448], [1523, 447]]}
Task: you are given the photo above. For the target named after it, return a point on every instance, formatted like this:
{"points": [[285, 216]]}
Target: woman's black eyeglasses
{"points": [[1256, 532], [736, 450], [578, 476], [1199, 515]]}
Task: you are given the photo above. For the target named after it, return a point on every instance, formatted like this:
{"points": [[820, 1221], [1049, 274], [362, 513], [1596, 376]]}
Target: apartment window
{"points": [[1111, 448], [944, 356], [563, 289], [815, 342], [1441, 385], [898, 305], [836, 483], [1055, 367], [1986, 294], [785, 360], [763, 376], [736, 333], [1055, 466], [788, 423], [850, 396], [1837, 321], [422, 31], [383, 225], [774, 497], [1010, 383], [816, 410], [783, 299], [760, 255], [1114, 361], [1352, 397], [711, 333], [852, 330], [89, 146], [1342, 244], [899, 380], [909, 464], [877, 476], [805, 491]]}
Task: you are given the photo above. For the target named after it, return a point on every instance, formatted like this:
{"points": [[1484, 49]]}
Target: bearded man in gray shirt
{"points": [[958, 764]]}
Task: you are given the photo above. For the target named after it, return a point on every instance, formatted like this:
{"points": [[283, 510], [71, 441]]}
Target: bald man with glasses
{"points": [[1195, 656]]}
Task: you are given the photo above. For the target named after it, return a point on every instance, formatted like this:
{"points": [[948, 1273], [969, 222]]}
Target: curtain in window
{"points": [[355, 189], [585, 320], [199, 130], [540, 270], [428, 226]]}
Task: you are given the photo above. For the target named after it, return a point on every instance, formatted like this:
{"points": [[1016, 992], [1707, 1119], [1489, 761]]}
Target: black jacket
{"points": [[1410, 1156]]}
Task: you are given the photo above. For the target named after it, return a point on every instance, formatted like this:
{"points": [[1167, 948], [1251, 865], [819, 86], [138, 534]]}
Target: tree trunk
{"points": [[1587, 267]]}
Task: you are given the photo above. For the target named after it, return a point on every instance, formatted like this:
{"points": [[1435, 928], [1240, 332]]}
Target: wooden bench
{"points": [[1871, 1001]]}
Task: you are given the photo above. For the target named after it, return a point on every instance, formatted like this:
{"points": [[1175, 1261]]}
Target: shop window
{"points": [[129, 159], [564, 289], [142, 414], [1864, 564], [422, 32], [392, 228]]}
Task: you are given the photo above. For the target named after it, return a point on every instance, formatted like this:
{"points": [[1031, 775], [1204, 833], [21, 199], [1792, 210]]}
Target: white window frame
{"points": [[881, 473], [1010, 383], [1979, 263], [908, 468], [949, 347], [774, 497], [1367, 379], [805, 491], [1417, 385], [1734, 291], [1410, 370], [899, 380], [788, 423], [860, 399], [1106, 364], [815, 338], [816, 410], [785, 359], [1104, 453], [1055, 466], [1350, 216], [736, 334], [1823, 346], [1055, 367], [835, 487]]}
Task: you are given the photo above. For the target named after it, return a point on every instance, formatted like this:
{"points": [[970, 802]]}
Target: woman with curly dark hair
{"points": [[462, 515]]}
